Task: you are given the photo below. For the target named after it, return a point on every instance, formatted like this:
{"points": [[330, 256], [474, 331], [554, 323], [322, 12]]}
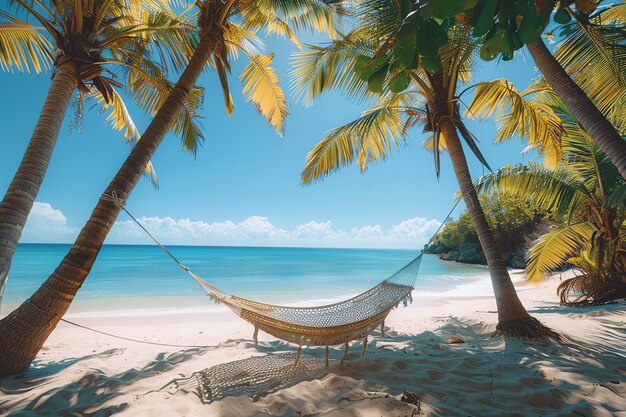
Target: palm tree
{"points": [[593, 53], [594, 37], [427, 97], [587, 191], [590, 63], [580, 106], [507, 26], [92, 43], [23, 331]]}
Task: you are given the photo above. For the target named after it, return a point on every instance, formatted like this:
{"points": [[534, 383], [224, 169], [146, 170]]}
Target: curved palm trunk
{"points": [[24, 331], [21, 194], [513, 319], [580, 106]]}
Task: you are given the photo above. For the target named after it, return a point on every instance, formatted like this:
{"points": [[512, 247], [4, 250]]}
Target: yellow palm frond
{"points": [[238, 38], [151, 92], [594, 54], [260, 85], [287, 17], [120, 120], [517, 115], [22, 46], [322, 68], [554, 249], [429, 143], [371, 137]]}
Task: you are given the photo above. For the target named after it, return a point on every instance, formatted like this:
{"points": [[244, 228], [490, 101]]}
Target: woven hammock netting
{"points": [[326, 325]]}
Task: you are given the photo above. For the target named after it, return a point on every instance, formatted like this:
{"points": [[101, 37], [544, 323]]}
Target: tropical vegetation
{"points": [[505, 26], [412, 62], [515, 222], [411, 87], [585, 190]]}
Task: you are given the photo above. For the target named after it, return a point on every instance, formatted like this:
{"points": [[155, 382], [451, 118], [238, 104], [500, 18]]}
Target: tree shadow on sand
{"points": [[493, 376], [84, 396], [485, 376]]}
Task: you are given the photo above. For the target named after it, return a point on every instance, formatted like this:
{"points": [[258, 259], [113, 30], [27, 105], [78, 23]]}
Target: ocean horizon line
{"points": [[230, 246]]}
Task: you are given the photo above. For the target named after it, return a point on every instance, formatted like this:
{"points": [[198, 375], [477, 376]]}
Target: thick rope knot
{"points": [[115, 199]]}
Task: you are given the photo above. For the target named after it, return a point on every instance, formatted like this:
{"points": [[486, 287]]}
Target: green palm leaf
{"points": [[322, 68], [557, 189], [594, 53]]}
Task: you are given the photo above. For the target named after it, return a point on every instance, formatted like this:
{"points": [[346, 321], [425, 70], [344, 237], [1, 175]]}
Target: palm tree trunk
{"points": [[513, 319], [580, 106], [21, 194], [24, 331]]}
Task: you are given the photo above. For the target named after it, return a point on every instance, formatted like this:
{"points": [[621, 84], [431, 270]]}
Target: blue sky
{"points": [[242, 186]]}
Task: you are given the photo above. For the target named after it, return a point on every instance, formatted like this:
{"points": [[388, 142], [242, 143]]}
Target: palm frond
{"points": [[120, 120], [617, 198], [371, 137], [594, 54], [459, 55], [260, 86], [151, 92], [238, 39], [554, 249], [379, 19], [581, 154], [556, 190], [322, 68], [22, 46], [516, 115], [288, 17]]}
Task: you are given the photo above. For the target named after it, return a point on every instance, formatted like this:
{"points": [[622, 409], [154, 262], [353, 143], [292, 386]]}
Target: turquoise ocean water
{"points": [[287, 275]]}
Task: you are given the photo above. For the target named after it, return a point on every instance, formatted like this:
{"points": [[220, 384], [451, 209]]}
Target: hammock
{"points": [[327, 325]]}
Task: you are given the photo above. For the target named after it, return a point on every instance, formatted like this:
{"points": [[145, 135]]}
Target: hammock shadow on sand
{"points": [[254, 377]]}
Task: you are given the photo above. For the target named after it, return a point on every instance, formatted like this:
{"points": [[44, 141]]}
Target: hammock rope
{"points": [[327, 325]]}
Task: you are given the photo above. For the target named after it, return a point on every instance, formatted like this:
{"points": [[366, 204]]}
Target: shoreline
{"points": [[160, 305], [488, 376]]}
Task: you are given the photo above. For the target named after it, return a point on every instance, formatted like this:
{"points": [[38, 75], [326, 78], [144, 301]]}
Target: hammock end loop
{"points": [[114, 198]]}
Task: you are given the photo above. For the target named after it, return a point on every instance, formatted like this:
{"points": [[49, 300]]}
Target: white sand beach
{"points": [[84, 373]]}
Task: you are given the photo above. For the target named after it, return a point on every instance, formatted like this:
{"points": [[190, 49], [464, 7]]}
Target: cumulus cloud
{"points": [[257, 230], [46, 224]]}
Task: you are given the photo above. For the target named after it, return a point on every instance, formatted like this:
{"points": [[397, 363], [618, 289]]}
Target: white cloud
{"points": [[257, 230], [46, 224]]}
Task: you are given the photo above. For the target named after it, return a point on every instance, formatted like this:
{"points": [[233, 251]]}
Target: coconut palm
{"points": [[92, 44], [427, 98], [506, 26], [223, 29], [588, 192], [593, 41], [593, 52]]}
